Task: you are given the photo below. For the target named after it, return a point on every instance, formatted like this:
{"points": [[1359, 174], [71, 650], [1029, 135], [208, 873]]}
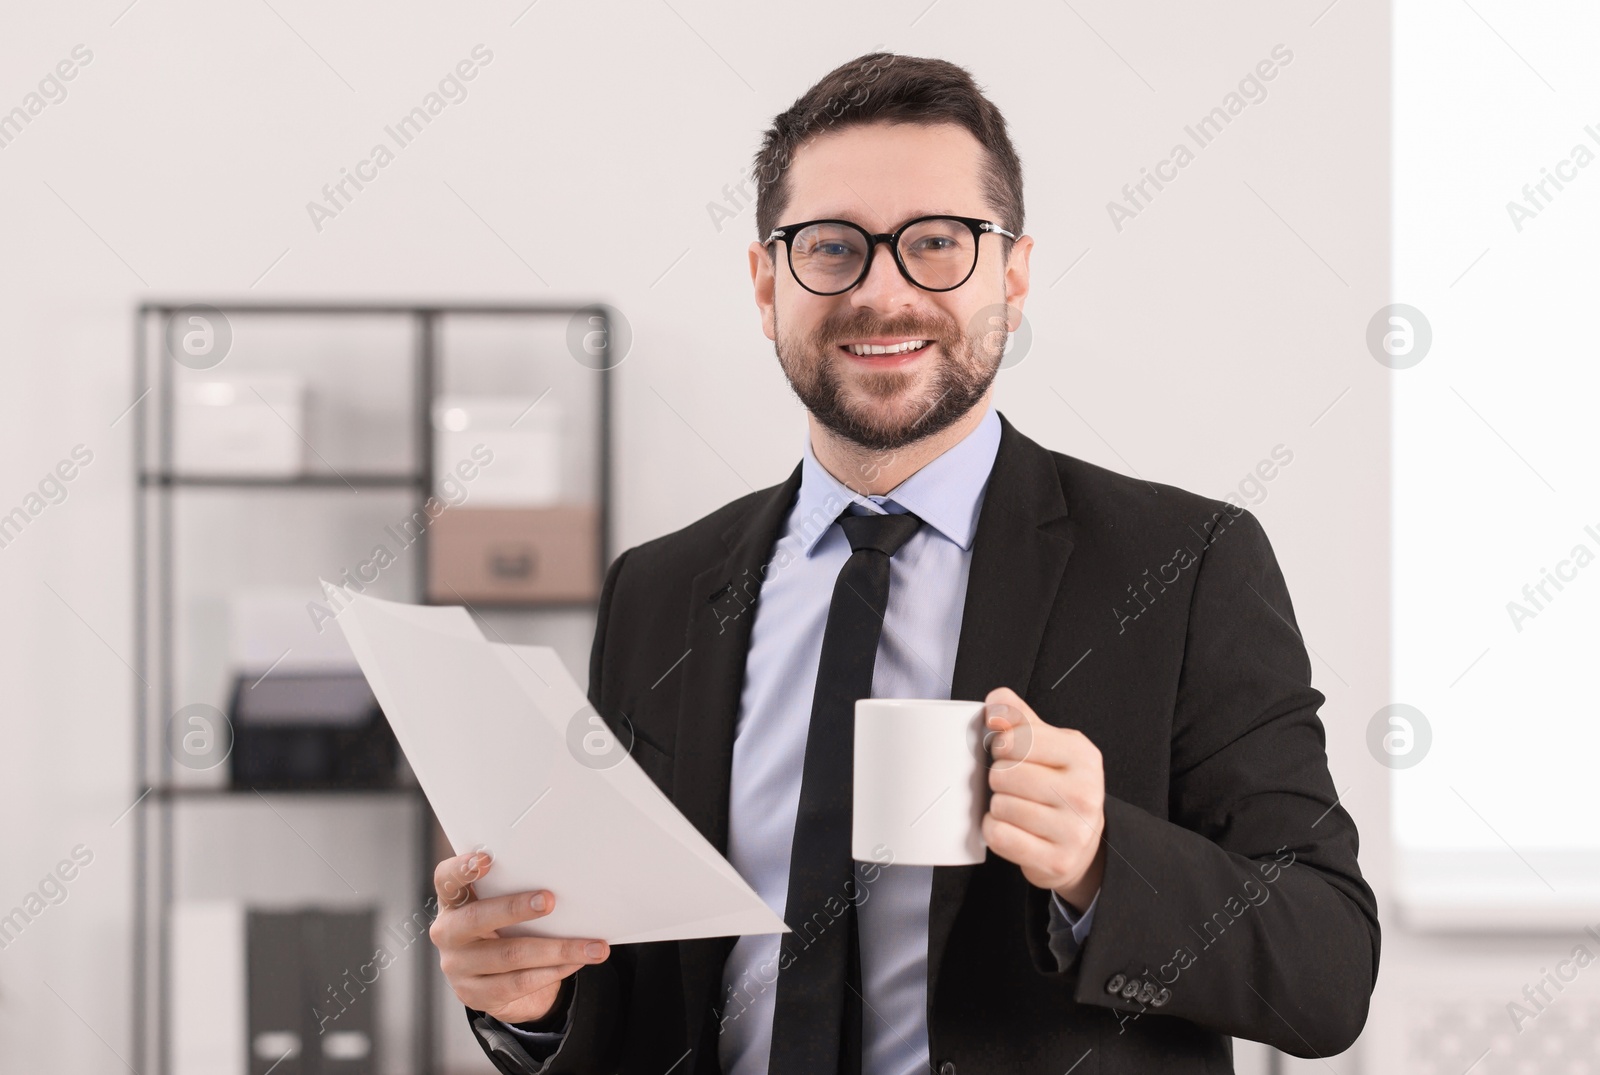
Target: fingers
{"points": [[1016, 844], [452, 878], [1016, 734], [1058, 821], [507, 955], [479, 919], [1079, 783], [496, 992], [515, 976], [1038, 819]]}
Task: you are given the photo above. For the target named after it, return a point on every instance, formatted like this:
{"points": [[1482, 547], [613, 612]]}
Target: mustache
{"points": [[924, 331]]}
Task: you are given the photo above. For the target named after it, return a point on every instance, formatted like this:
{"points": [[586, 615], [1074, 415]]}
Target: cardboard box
{"points": [[511, 556]]}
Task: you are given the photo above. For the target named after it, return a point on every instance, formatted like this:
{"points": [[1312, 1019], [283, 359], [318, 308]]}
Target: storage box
{"points": [[301, 730], [208, 1015], [511, 556], [523, 438], [244, 427]]}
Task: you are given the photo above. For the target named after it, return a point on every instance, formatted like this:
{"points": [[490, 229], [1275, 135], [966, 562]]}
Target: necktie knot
{"points": [[884, 533]]}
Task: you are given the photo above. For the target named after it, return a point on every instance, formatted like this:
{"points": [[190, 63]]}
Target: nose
{"points": [[884, 288]]}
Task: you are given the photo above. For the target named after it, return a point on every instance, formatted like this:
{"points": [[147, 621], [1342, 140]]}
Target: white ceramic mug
{"points": [[921, 783]]}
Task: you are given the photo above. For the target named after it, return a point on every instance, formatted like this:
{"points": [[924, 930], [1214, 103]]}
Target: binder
{"points": [[275, 996], [338, 960], [313, 992]]}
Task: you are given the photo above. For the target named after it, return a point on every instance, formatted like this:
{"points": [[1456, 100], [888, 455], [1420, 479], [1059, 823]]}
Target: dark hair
{"points": [[882, 87]]}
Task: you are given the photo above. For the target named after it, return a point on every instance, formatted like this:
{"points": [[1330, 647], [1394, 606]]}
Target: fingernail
{"points": [[594, 949], [538, 902]]}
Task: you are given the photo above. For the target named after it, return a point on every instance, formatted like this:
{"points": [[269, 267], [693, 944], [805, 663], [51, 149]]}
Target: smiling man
{"points": [[1168, 865]]}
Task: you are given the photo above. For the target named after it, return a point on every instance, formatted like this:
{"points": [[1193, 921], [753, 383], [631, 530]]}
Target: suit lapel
{"points": [[1018, 554], [721, 611]]}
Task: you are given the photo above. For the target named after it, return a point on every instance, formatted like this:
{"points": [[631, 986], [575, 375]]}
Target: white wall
{"points": [[1227, 318]]}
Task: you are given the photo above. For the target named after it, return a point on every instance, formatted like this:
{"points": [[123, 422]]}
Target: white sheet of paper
{"points": [[485, 728]]}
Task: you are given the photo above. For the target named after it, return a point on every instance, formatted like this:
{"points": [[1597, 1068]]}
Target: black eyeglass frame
{"points": [[979, 227]]}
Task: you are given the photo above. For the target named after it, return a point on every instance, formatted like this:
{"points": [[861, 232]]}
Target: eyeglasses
{"points": [[936, 253]]}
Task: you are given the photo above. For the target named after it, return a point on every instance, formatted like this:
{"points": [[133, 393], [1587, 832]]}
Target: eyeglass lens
{"points": [[939, 253]]}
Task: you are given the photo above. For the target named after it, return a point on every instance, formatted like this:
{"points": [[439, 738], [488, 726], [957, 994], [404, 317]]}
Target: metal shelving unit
{"points": [[157, 488]]}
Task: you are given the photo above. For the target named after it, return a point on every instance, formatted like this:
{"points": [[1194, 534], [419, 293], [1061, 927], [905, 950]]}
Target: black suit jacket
{"points": [[1155, 621]]}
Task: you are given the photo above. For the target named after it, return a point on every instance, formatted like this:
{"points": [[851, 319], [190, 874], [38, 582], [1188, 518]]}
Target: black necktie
{"points": [[816, 1029]]}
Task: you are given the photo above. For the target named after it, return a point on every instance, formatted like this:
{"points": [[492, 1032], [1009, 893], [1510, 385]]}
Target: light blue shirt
{"points": [[916, 659]]}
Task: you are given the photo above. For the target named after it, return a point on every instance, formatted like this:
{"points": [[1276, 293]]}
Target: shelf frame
{"points": [[154, 649]]}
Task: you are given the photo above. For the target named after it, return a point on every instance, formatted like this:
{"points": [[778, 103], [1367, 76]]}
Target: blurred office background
{"points": [[1335, 312]]}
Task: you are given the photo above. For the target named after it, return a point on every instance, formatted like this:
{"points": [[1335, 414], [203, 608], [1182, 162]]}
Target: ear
{"points": [[765, 282], [1017, 278]]}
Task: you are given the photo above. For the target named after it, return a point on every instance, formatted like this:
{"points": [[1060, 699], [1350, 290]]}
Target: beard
{"points": [[904, 415]]}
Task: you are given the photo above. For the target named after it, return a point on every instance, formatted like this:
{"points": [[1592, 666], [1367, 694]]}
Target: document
{"points": [[505, 746]]}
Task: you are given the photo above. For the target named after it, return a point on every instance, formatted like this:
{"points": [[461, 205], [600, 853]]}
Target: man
{"points": [[1168, 865]]}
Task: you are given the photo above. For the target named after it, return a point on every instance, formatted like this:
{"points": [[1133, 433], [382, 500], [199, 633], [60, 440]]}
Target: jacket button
{"points": [[1114, 984], [947, 1068], [1130, 988], [1147, 992], [1161, 997]]}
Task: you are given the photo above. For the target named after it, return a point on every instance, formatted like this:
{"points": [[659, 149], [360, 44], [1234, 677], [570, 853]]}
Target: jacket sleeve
{"points": [[1245, 911], [512, 1049], [589, 1041]]}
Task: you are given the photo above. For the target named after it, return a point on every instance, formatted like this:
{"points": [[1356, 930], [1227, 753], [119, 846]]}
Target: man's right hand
{"points": [[514, 979]]}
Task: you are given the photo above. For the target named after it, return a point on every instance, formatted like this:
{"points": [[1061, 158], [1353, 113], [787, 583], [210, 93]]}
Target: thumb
{"points": [[1009, 720], [1004, 708]]}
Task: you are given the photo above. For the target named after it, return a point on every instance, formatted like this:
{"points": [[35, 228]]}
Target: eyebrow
{"points": [[845, 215]]}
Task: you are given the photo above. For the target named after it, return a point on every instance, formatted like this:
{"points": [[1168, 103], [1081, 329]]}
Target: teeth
{"points": [[894, 349]]}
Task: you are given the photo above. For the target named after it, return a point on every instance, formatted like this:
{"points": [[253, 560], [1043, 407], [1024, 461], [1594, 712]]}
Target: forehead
{"points": [[881, 174]]}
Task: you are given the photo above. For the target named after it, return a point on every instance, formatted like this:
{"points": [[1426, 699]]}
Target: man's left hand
{"points": [[1047, 811]]}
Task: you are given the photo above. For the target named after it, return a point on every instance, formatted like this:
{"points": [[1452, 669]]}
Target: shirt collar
{"points": [[946, 494]]}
